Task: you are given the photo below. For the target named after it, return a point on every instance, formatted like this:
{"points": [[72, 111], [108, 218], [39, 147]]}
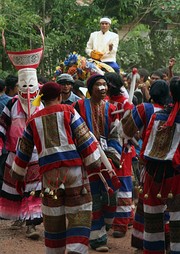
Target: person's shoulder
{"points": [[166, 110], [66, 108], [11, 101], [4, 95], [4, 98], [113, 34], [75, 97], [111, 105], [145, 107], [95, 33], [58, 108]]}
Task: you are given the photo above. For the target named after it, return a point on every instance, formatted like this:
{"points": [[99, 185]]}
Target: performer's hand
{"points": [[20, 187], [110, 47], [114, 160]]}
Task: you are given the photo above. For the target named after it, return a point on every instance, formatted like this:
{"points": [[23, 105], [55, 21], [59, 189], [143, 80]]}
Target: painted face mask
{"points": [[28, 89]]}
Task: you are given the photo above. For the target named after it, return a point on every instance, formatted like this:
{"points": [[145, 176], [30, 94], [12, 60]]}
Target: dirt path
{"points": [[15, 242]]}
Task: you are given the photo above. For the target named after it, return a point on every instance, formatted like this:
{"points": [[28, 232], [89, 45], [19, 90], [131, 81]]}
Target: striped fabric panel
{"points": [[5, 119], [50, 130], [55, 240], [141, 114], [138, 225], [64, 158]]}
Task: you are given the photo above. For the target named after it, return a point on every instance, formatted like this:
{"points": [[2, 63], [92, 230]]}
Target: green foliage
{"points": [[122, 10], [149, 49], [135, 50], [18, 25], [67, 27]]}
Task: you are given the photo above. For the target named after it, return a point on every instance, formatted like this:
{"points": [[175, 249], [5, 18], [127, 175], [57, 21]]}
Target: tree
{"points": [[67, 26]]}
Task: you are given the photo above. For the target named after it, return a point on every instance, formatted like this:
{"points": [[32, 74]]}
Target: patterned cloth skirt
{"points": [[12, 205]]}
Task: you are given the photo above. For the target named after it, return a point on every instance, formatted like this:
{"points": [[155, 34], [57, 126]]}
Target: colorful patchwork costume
{"points": [[138, 120], [100, 122], [64, 147], [161, 151]]}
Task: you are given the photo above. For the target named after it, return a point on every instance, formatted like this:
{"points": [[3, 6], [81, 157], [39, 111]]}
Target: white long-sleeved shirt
{"points": [[100, 42]]}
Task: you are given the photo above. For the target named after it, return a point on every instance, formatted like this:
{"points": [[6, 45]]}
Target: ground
{"points": [[15, 242]]}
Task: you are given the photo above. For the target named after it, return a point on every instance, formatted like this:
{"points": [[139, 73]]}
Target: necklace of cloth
{"points": [[98, 118]]}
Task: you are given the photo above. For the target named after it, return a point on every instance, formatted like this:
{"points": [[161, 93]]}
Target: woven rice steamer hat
{"points": [[50, 91], [92, 80], [27, 58], [26, 62], [96, 55]]}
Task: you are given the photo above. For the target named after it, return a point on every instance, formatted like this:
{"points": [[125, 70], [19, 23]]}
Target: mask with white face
{"points": [[28, 89]]}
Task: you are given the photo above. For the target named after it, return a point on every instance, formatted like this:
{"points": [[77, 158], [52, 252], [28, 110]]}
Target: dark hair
{"points": [[2, 85], [157, 73], [10, 82], [77, 84], [159, 92], [163, 70], [175, 88], [115, 82], [144, 73], [42, 80]]}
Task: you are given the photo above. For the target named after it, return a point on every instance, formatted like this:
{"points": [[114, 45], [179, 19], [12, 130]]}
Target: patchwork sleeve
{"points": [[85, 143], [24, 152]]}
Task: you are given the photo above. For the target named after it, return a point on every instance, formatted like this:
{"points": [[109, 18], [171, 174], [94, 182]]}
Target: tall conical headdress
{"points": [[26, 62], [25, 59]]}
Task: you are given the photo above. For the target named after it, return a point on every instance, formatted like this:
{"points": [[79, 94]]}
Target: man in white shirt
{"points": [[104, 42]]}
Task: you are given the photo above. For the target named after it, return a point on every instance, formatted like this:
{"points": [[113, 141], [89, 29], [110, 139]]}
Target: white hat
{"points": [[105, 20]]}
